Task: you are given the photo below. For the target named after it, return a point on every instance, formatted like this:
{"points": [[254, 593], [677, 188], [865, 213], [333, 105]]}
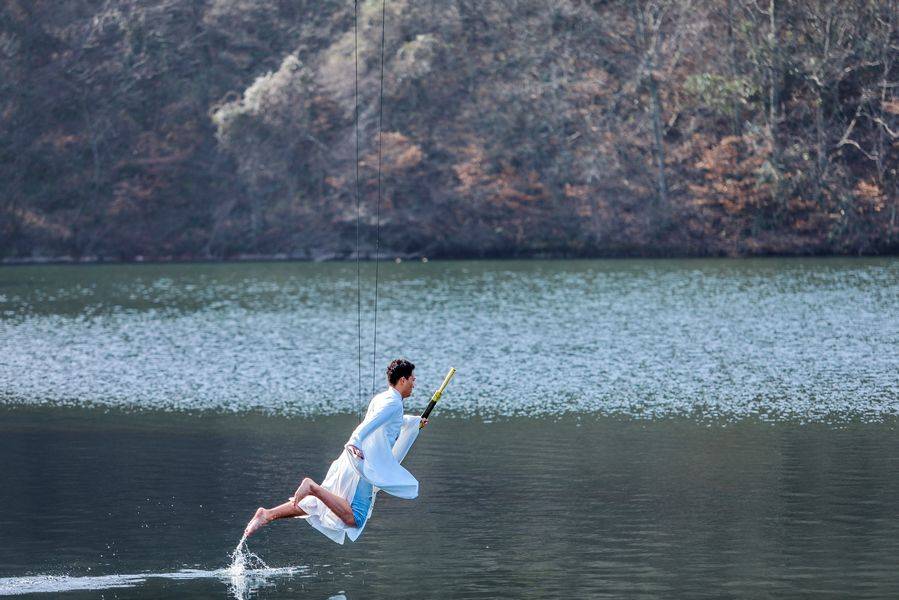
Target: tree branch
{"points": [[890, 132]]}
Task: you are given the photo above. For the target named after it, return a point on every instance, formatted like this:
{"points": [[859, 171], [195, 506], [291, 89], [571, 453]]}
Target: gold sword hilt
{"points": [[437, 394]]}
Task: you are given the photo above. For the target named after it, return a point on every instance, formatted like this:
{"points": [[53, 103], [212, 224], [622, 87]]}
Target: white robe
{"points": [[380, 467]]}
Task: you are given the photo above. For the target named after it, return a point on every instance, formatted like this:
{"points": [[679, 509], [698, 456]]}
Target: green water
{"points": [[637, 429]]}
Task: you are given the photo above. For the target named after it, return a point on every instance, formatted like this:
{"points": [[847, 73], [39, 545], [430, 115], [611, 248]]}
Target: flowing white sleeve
{"points": [[371, 424], [408, 435]]}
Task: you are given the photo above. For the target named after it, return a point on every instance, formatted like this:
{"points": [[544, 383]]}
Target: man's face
{"points": [[405, 385]]}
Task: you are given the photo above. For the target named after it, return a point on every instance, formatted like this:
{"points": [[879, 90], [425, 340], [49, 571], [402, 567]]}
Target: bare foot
{"points": [[256, 523]]}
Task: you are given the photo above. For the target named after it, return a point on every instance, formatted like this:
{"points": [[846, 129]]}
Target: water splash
{"points": [[246, 574]]}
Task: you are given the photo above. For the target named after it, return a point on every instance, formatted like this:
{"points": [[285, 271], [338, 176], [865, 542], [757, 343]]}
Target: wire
{"points": [[378, 211], [359, 398]]}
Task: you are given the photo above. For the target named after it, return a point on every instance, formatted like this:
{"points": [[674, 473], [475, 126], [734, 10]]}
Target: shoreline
{"points": [[406, 257]]}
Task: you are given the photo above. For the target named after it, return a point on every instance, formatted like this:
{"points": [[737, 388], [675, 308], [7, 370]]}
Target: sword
{"points": [[437, 395]]}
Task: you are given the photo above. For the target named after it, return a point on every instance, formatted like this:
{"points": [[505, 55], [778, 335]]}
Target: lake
{"points": [[627, 428]]}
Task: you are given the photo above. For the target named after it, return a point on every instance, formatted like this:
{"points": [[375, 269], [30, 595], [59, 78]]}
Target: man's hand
{"points": [[423, 423], [356, 452]]}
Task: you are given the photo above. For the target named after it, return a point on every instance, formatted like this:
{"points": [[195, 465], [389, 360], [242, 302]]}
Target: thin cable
{"points": [[359, 398], [378, 211]]}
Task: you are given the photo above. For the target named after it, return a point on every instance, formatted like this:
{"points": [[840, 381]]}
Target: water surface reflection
{"points": [[529, 508]]}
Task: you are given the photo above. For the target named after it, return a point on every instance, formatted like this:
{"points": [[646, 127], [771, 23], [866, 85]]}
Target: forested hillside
{"points": [[177, 129]]}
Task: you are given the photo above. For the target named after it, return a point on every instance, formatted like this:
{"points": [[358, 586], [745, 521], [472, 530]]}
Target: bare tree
{"points": [[650, 17]]}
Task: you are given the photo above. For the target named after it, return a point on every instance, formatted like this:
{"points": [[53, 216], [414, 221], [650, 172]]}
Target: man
{"points": [[342, 503]]}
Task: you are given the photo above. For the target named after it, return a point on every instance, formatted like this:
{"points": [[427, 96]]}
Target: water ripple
{"points": [[813, 340]]}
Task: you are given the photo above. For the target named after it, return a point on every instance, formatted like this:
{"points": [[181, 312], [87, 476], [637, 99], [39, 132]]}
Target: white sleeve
{"points": [[407, 436], [369, 425]]}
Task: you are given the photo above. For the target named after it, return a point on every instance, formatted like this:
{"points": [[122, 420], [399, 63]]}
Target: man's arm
{"points": [[369, 425]]}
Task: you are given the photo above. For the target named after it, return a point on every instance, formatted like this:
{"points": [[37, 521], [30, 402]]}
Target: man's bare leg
{"points": [[264, 516], [339, 506]]}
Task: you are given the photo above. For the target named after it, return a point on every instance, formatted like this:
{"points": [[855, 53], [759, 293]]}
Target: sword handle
{"points": [[437, 394]]}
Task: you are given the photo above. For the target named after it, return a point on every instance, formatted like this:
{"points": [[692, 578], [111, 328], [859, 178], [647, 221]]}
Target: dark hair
{"points": [[398, 369]]}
